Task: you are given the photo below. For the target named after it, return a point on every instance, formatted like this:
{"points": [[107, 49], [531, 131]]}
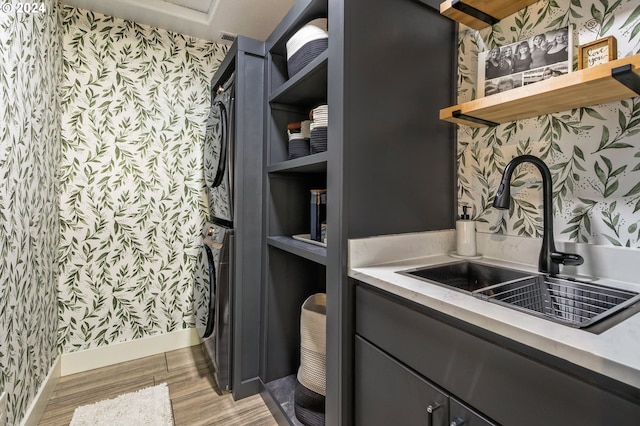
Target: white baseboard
{"points": [[77, 362], [36, 409]]}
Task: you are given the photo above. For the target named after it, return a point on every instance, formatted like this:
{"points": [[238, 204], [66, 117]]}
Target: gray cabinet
{"points": [[507, 382], [388, 392], [245, 59], [294, 269], [389, 68]]}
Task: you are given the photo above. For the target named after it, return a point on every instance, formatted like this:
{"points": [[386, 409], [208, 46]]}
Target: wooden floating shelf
{"points": [[479, 14], [613, 81]]}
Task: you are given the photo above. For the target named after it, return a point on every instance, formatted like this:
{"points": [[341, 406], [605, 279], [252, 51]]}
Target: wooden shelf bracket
{"points": [[625, 75], [472, 11], [458, 114]]}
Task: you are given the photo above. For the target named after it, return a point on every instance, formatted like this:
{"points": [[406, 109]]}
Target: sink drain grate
{"points": [[575, 303]]}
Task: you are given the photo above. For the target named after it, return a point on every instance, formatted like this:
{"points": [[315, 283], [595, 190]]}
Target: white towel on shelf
{"points": [[320, 117]]}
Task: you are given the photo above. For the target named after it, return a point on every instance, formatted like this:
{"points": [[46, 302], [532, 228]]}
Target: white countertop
{"points": [[614, 353]]}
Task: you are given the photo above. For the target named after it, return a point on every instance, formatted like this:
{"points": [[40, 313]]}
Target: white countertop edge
{"points": [[614, 353]]}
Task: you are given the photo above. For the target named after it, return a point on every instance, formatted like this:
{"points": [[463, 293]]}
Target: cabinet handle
{"points": [[457, 422], [430, 409]]}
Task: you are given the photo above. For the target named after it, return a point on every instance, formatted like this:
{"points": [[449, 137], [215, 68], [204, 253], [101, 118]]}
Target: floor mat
{"points": [[149, 406]]}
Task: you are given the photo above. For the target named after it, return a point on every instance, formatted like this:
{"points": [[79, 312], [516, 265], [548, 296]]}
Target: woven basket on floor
{"points": [[313, 344], [308, 406]]}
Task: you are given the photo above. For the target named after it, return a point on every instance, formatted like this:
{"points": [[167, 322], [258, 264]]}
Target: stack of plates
{"points": [[306, 44], [318, 142]]}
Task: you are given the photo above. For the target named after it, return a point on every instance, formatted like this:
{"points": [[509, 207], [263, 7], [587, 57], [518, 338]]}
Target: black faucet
{"points": [[550, 259]]}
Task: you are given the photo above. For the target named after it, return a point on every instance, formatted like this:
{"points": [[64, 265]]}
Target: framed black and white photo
{"points": [[525, 62]]}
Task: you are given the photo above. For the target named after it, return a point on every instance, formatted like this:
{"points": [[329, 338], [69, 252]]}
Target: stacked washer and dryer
{"points": [[227, 306], [214, 328]]}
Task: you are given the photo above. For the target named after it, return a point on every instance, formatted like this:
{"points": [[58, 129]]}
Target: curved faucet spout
{"points": [[549, 258]]}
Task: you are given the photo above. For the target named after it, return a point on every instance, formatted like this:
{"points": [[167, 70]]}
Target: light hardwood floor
{"points": [[195, 398]]}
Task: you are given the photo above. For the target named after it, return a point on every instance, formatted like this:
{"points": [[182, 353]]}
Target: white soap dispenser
{"points": [[465, 235]]}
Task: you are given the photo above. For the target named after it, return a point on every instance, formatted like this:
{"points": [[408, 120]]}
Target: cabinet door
{"points": [[388, 393], [498, 377], [461, 415]]}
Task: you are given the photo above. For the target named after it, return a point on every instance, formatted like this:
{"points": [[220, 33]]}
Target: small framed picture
{"points": [[597, 52]]}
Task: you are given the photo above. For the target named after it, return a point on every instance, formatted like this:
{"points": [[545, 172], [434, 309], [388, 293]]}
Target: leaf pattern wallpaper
{"points": [[103, 201], [135, 102], [593, 152], [30, 67]]}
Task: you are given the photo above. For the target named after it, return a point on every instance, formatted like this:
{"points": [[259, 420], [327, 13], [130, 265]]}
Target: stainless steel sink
{"points": [[574, 303], [465, 276]]}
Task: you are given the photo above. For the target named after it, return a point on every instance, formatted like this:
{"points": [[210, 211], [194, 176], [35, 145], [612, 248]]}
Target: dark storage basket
{"points": [[310, 391], [298, 148], [306, 54], [318, 142], [309, 406]]}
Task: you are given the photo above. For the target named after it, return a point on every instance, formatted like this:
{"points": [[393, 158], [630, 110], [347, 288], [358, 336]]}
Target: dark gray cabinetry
{"points": [[391, 166], [389, 68], [507, 382], [294, 270], [388, 392], [249, 63], [245, 58]]}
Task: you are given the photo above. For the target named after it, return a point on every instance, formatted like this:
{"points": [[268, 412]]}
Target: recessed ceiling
{"points": [[206, 19]]}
